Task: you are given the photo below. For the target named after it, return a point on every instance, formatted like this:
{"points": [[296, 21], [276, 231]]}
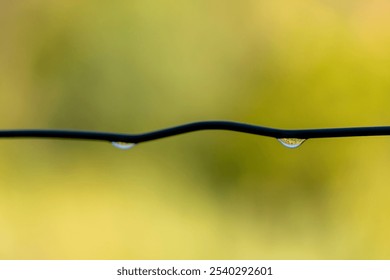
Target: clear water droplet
{"points": [[291, 142], [123, 145]]}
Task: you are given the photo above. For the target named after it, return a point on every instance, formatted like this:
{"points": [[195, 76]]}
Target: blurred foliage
{"points": [[133, 66]]}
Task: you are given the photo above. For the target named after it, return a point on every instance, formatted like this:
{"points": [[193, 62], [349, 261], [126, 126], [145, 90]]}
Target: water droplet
{"points": [[123, 145], [291, 142]]}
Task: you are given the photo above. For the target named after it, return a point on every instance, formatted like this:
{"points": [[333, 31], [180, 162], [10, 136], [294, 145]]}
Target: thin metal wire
{"points": [[197, 126]]}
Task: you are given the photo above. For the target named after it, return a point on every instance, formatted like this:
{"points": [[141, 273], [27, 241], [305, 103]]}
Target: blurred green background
{"points": [[136, 66]]}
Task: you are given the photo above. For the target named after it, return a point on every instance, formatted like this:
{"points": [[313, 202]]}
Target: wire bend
{"points": [[197, 126]]}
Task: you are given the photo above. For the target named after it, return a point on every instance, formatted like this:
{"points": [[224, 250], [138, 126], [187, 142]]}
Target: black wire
{"points": [[197, 126]]}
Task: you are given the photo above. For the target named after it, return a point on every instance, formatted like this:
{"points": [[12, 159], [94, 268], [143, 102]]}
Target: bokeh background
{"points": [[136, 66]]}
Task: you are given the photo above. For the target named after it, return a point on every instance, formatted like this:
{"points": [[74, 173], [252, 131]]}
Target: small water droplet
{"points": [[123, 145], [291, 142]]}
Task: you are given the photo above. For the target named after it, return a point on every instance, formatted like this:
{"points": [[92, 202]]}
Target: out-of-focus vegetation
{"points": [[134, 66]]}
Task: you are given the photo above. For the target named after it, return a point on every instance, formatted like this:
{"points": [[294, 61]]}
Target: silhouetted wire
{"points": [[197, 126]]}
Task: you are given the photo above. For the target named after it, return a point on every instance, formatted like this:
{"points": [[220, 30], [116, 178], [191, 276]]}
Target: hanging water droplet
{"points": [[123, 145], [291, 142]]}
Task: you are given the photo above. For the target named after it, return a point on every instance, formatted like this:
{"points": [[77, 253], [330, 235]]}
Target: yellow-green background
{"points": [[135, 66]]}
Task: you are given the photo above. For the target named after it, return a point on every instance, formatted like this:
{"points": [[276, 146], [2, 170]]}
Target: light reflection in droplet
{"points": [[123, 145], [291, 142]]}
